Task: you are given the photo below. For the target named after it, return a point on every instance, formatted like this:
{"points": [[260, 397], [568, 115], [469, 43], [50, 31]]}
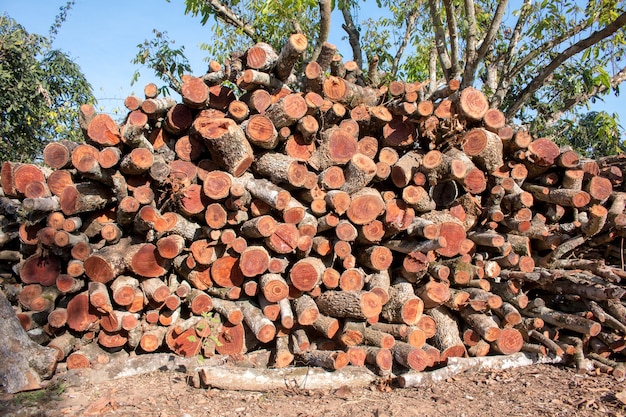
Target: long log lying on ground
{"points": [[339, 223]]}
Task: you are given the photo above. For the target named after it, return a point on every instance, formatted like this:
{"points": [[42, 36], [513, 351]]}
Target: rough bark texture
{"points": [[25, 364]]}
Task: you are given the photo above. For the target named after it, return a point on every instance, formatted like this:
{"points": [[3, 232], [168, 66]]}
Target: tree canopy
{"points": [[541, 62], [41, 89]]}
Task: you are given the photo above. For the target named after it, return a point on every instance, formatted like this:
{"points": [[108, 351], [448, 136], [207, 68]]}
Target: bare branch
{"points": [[410, 24], [432, 70], [455, 69], [573, 101], [229, 16], [547, 71], [296, 26], [470, 43], [322, 37], [547, 46], [491, 79], [174, 83], [471, 65], [372, 72], [510, 72], [353, 33], [440, 38], [493, 30], [505, 78]]}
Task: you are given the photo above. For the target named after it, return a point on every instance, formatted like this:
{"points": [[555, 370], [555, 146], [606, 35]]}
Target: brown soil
{"points": [[538, 390]]}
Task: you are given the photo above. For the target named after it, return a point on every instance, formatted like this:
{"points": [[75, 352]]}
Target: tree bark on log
{"points": [[251, 379], [459, 365], [227, 143], [447, 338], [25, 364], [359, 305]]}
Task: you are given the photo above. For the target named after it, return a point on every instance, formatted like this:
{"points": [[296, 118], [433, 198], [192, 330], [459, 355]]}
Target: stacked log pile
{"points": [[312, 218]]}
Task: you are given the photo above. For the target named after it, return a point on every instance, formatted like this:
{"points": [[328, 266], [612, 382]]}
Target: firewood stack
{"points": [[312, 218]]}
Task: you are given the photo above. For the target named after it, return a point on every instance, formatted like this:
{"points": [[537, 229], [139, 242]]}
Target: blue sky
{"points": [[102, 37]]}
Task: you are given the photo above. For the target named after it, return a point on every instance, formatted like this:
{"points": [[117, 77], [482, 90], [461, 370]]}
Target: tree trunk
{"points": [[25, 364]]}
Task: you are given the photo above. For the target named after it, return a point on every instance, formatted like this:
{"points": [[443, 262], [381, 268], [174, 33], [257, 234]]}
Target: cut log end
{"points": [[473, 104]]}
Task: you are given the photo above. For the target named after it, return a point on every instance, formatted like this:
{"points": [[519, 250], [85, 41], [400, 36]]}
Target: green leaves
{"points": [[593, 134], [59, 19], [40, 92], [377, 41], [168, 63], [603, 78], [272, 20]]}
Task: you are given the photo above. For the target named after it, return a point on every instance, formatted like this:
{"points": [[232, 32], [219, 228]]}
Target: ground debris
{"points": [[542, 390]]}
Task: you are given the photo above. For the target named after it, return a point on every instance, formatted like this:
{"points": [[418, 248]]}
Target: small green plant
{"points": [[207, 330]]}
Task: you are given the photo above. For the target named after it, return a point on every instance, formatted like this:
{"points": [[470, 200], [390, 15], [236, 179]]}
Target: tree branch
{"points": [[455, 69], [470, 44], [353, 33], [491, 78], [432, 70], [472, 64], [573, 101], [410, 24], [493, 30], [175, 84], [229, 16], [372, 72], [510, 71], [322, 36], [440, 38], [547, 46], [547, 72], [505, 78], [296, 26]]}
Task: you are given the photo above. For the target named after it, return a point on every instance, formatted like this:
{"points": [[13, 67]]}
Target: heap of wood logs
{"points": [[316, 219]]}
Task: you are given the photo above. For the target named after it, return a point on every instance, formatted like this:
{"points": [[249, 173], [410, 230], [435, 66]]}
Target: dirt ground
{"points": [[537, 390]]}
